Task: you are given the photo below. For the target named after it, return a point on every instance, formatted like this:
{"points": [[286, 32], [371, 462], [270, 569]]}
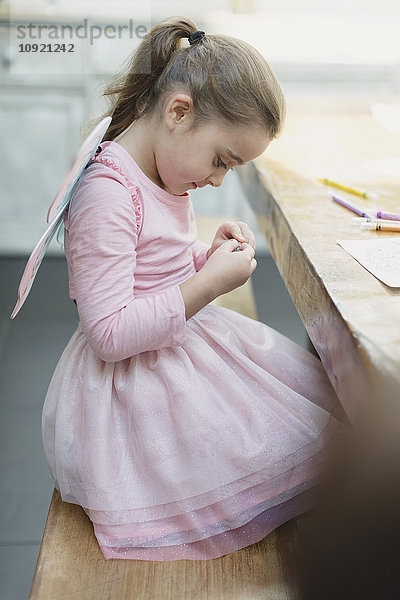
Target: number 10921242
{"points": [[46, 48]]}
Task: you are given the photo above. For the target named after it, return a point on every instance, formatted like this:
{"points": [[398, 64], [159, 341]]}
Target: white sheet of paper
{"points": [[381, 257]]}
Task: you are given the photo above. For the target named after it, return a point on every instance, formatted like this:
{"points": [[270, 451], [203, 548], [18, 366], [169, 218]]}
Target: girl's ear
{"points": [[178, 110]]}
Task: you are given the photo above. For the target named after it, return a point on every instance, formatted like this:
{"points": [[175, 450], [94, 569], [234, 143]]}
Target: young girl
{"points": [[185, 430]]}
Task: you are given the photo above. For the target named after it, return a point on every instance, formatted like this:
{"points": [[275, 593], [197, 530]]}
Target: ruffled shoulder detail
{"points": [[134, 191]]}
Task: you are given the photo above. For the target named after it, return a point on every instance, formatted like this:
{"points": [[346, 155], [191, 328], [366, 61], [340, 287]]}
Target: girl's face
{"points": [[189, 159]]}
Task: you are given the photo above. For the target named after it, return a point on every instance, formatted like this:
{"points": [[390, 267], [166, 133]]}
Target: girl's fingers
{"points": [[244, 233], [240, 231], [232, 243], [239, 235], [245, 246], [234, 229]]}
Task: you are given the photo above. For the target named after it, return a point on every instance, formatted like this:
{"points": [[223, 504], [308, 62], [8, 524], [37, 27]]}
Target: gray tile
{"points": [[30, 354], [270, 289], [274, 305], [26, 486], [17, 567], [11, 270], [32, 342], [291, 328], [48, 295]]}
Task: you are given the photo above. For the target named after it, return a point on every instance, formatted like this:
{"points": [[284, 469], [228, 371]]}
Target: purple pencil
{"points": [[382, 214], [349, 206]]}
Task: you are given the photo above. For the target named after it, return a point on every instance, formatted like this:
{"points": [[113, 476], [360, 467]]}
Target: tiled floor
{"points": [[30, 346]]}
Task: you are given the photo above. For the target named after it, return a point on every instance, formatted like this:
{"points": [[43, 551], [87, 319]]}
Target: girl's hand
{"points": [[227, 269], [232, 230]]}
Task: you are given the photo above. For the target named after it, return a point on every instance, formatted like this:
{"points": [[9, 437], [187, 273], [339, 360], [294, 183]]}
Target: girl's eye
{"points": [[222, 164]]}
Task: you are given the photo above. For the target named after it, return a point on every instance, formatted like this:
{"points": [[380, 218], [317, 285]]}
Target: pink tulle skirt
{"points": [[194, 451]]}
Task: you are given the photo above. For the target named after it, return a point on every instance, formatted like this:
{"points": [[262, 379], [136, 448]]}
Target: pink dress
{"points": [[180, 439]]}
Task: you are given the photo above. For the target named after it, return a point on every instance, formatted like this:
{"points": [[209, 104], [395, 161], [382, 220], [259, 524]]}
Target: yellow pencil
{"points": [[345, 188]]}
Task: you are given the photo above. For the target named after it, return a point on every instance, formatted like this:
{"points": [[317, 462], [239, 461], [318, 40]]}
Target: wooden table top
{"points": [[352, 318]]}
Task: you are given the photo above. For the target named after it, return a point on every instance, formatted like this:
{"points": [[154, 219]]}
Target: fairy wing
{"points": [[57, 209], [85, 153]]}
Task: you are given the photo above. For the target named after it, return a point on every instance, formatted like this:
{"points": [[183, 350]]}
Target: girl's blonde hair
{"points": [[226, 78]]}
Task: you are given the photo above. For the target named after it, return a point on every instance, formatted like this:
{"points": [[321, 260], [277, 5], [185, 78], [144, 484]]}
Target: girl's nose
{"points": [[216, 180]]}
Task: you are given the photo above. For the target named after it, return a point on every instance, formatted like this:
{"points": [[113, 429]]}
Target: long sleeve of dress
{"points": [[102, 247]]}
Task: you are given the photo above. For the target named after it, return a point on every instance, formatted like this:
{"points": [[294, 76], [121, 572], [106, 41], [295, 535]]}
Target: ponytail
{"points": [[134, 94]]}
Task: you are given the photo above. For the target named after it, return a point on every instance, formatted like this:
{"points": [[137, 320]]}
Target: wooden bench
{"points": [[71, 566]]}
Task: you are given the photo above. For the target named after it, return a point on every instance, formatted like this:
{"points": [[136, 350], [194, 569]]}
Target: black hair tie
{"points": [[196, 36]]}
